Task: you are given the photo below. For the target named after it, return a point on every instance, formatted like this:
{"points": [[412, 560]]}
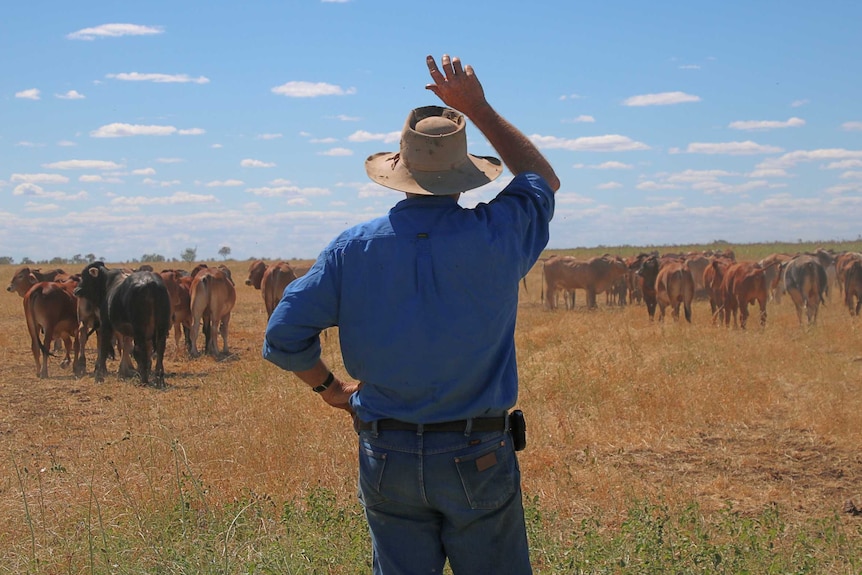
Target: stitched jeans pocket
{"points": [[489, 476], [372, 463]]}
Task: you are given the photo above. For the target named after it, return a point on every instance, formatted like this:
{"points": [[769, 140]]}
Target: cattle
{"points": [[88, 322], [772, 268], [744, 283], [24, 278], [213, 297], [136, 308], [276, 277], [853, 286], [593, 276], [827, 260], [843, 262], [697, 263], [674, 286], [805, 283], [51, 308], [179, 290], [646, 268], [713, 276], [256, 270]]}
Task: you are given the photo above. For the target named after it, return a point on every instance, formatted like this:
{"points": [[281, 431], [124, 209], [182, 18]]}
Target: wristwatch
{"points": [[325, 385]]}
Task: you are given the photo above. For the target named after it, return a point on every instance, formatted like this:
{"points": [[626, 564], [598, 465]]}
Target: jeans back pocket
{"points": [[489, 476]]}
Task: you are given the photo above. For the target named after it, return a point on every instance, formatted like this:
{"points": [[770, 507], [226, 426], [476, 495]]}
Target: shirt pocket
{"points": [[489, 476]]}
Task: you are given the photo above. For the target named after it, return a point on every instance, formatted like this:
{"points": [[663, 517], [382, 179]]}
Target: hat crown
{"points": [[434, 140]]}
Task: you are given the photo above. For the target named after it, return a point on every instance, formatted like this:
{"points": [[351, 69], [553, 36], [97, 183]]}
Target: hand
{"points": [[338, 394], [458, 87]]}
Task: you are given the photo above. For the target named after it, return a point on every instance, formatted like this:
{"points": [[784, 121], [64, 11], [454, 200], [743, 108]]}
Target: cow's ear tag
{"points": [[94, 272]]}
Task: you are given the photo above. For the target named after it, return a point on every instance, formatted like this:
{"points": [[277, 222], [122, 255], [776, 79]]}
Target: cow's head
{"points": [[255, 273], [94, 282], [22, 281]]}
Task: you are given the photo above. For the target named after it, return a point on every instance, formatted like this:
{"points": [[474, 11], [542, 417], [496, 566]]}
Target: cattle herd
{"points": [[674, 280], [132, 311]]}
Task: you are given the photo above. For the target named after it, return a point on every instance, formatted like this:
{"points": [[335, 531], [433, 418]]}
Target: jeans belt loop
{"points": [[506, 425], [374, 429], [469, 428], [420, 429]]}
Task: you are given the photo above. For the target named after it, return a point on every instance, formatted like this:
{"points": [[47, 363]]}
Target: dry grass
{"points": [[618, 410]]}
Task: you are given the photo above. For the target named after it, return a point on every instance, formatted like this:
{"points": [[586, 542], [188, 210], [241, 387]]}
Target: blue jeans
{"points": [[437, 495]]}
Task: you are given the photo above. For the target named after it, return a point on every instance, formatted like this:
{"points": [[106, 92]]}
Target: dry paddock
{"points": [[618, 409]]}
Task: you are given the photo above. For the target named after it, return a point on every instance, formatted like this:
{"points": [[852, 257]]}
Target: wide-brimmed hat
{"points": [[433, 159]]}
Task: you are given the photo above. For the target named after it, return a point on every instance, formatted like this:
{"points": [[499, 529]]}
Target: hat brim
{"points": [[475, 171]]}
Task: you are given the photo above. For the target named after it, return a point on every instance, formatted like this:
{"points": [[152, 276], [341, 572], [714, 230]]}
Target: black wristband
{"points": [[325, 385]]}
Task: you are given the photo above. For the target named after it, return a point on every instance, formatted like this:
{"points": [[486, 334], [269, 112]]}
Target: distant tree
{"points": [[6, 260], [78, 259], [58, 261], [224, 252], [27, 261], [152, 258], [189, 255], [90, 258]]}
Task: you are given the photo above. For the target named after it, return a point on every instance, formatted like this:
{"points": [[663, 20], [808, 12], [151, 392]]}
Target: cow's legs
{"points": [[223, 329], [126, 369]]}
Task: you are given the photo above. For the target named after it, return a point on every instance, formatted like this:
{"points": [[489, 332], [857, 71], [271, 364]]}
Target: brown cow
{"points": [[25, 278], [805, 282], [594, 276], [713, 276], [744, 283], [276, 277], [51, 307], [213, 297], [697, 264], [853, 286], [772, 268], [842, 264], [674, 286], [178, 287], [255, 273]]}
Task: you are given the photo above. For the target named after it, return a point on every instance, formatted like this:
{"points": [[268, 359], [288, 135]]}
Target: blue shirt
{"points": [[425, 299]]}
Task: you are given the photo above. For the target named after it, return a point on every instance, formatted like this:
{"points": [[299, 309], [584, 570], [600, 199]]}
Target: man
{"points": [[426, 300]]}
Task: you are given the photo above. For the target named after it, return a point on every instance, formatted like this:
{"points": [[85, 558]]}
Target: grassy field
{"points": [[652, 448]]}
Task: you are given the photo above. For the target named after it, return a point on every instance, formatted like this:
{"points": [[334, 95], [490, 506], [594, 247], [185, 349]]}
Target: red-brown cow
{"points": [[713, 276], [744, 283], [213, 297], [178, 287], [25, 278], [853, 286], [674, 286], [255, 273], [276, 277], [51, 307]]}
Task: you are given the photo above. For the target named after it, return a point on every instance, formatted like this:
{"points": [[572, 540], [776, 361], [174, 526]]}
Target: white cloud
{"points": [[25, 144], [283, 188], [114, 31], [790, 159], [249, 163], [606, 166], [608, 143], [216, 146], [33, 190], [570, 97], [851, 175], [798, 103], [769, 173], [191, 132], [90, 179], [83, 165], [689, 67], [224, 183], [843, 165], [337, 152], [31, 94], [661, 99], [34, 207], [39, 178], [582, 119], [144, 172], [159, 78], [363, 136], [71, 95], [118, 130], [732, 148], [609, 186], [323, 140], [66, 143], [175, 198], [346, 118], [268, 136], [311, 90], [851, 126], [766, 124], [161, 183], [170, 160]]}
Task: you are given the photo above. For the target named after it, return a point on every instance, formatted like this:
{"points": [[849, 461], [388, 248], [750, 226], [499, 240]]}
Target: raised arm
{"points": [[459, 88]]}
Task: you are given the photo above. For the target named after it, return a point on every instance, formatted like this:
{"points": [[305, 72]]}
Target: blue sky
{"points": [[131, 128]]}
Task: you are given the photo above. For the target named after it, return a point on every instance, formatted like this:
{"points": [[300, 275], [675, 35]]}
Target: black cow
{"points": [[136, 306], [646, 268], [805, 283]]}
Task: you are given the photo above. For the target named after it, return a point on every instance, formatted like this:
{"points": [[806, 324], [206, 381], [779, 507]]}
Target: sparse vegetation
{"points": [[651, 449]]}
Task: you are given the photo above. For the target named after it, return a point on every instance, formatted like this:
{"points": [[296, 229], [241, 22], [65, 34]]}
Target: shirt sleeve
{"points": [[309, 305], [530, 202]]}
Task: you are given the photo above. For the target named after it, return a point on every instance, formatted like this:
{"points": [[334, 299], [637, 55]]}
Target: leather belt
{"points": [[478, 424]]}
